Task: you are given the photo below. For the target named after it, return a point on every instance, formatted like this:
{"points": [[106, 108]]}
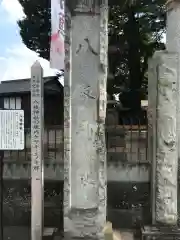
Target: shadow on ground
{"points": [[127, 202]]}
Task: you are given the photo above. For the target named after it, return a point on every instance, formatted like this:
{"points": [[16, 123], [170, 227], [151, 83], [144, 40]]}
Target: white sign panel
{"points": [[11, 129]]}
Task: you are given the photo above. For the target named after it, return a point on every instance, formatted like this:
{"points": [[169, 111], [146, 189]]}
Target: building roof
{"points": [[23, 85]]}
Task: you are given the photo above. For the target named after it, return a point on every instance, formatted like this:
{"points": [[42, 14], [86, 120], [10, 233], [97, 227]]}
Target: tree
{"points": [[136, 29], [135, 32], [35, 28]]}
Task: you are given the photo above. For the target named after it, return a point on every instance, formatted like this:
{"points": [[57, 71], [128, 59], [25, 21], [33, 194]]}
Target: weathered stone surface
{"points": [[165, 164], [85, 71], [173, 45], [67, 120], [102, 84], [84, 6], [152, 97], [84, 165]]}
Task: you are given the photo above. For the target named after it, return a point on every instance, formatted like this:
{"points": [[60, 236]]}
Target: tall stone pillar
{"points": [[84, 118], [173, 45], [163, 144]]}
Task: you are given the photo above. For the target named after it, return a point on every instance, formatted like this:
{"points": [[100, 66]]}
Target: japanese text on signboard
{"points": [[36, 124]]}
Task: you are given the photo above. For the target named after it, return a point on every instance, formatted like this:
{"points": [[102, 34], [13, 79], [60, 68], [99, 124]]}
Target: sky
{"points": [[15, 58]]}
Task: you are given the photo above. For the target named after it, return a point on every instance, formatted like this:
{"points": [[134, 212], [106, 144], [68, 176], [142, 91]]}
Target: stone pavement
{"points": [[23, 233], [123, 234], [127, 235]]}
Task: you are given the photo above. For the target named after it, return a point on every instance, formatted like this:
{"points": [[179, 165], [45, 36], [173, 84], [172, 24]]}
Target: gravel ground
{"points": [[17, 208], [23, 233], [16, 233]]}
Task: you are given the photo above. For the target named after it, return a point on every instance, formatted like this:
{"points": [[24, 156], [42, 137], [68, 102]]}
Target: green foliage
{"points": [[35, 28], [137, 31]]}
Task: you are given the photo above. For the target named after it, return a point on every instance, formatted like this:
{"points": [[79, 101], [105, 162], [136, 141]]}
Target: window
{"points": [[12, 103]]}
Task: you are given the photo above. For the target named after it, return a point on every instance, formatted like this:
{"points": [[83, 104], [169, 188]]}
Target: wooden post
{"points": [[37, 158]]}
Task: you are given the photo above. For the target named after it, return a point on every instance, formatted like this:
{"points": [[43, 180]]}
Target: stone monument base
{"points": [[160, 232], [49, 233]]}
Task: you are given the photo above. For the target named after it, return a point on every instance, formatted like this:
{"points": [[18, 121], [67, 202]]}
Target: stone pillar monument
{"points": [[84, 118], [168, 65], [173, 45], [163, 144]]}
